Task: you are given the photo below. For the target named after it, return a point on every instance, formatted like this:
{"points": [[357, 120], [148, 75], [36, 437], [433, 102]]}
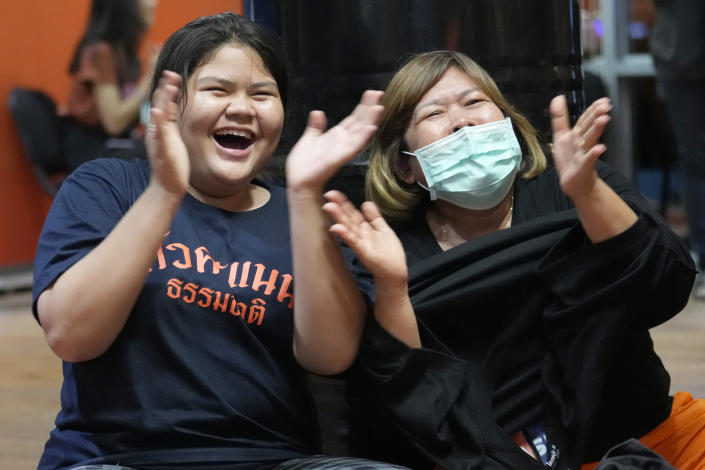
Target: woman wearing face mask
{"points": [[522, 340]]}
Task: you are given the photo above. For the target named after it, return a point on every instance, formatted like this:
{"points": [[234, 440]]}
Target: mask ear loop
{"points": [[411, 154]]}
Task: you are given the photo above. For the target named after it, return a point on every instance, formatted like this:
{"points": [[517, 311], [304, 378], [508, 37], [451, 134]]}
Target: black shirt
{"points": [[529, 323]]}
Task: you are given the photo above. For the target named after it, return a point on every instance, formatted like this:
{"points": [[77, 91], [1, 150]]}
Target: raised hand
{"points": [[167, 153], [318, 154], [576, 150], [381, 252], [603, 214], [368, 235]]}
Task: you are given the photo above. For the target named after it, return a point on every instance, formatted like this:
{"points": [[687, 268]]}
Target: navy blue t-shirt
{"points": [[203, 371]]}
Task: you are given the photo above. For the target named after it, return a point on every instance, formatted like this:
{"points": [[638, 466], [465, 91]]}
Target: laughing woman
{"points": [[167, 286]]}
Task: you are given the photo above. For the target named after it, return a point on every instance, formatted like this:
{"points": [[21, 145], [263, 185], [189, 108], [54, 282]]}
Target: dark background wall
{"points": [[340, 48]]}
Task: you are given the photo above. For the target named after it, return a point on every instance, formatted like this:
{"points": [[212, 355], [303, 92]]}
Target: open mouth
{"points": [[231, 139]]}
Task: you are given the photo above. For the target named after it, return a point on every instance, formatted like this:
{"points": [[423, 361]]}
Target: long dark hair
{"points": [[195, 43], [119, 23]]}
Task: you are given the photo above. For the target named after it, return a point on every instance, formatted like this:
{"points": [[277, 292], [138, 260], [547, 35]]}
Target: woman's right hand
{"points": [[576, 149], [320, 153], [380, 250], [602, 212], [167, 153], [369, 236]]}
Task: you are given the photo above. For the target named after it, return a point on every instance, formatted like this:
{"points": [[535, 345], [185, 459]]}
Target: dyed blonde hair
{"points": [[395, 198]]}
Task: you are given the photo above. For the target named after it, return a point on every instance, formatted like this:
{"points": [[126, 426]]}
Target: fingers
{"points": [[316, 123], [560, 122], [350, 223], [370, 107], [366, 114], [591, 124], [371, 100], [342, 210], [164, 115], [167, 89], [589, 127], [594, 153], [339, 213], [373, 216], [335, 196], [165, 99], [591, 136], [371, 97]]}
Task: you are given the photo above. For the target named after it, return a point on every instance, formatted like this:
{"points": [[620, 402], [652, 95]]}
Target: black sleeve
{"points": [[585, 295], [414, 406], [603, 298], [647, 269], [411, 379]]}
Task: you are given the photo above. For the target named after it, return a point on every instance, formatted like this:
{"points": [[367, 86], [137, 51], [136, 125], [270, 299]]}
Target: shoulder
{"points": [[105, 174], [114, 167]]}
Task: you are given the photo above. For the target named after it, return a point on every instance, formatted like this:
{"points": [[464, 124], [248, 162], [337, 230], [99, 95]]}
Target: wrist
{"points": [[392, 283], [304, 193], [587, 193], [168, 196]]}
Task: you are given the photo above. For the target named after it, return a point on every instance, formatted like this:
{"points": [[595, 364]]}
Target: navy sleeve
{"points": [[363, 278], [89, 204]]}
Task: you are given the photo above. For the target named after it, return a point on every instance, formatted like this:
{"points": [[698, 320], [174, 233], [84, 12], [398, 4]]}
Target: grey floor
{"points": [[31, 374]]}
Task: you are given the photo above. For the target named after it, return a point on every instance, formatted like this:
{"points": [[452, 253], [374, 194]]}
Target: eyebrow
{"points": [[458, 95], [228, 83]]}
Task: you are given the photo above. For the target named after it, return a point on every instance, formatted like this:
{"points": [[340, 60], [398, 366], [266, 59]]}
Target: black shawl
{"points": [[531, 323]]}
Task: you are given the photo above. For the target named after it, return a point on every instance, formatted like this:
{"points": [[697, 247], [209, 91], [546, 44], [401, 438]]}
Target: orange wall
{"points": [[37, 38]]}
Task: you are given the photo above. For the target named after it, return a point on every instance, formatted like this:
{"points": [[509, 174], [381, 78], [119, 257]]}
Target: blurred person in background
{"points": [[678, 47], [109, 84]]}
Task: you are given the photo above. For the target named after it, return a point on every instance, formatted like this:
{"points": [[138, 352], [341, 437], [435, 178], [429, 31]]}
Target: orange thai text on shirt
{"points": [[242, 275]]}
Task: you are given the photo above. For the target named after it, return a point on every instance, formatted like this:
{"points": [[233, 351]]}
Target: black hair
{"points": [[194, 44], [119, 23]]}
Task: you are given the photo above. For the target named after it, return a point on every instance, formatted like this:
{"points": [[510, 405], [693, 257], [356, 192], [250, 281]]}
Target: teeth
{"points": [[244, 134]]}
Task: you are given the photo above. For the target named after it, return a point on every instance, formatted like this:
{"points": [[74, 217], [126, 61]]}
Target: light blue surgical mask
{"points": [[474, 167]]}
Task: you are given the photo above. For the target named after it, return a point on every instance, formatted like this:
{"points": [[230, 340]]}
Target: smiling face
{"points": [[453, 102], [232, 121]]}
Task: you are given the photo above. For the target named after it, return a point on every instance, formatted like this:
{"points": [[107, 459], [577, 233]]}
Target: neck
{"points": [[249, 198], [453, 225]]}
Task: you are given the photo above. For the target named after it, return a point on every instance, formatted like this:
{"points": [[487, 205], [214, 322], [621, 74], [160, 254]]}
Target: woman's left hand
{"points": [[319, 154], [576, 150], [369, 236]]}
